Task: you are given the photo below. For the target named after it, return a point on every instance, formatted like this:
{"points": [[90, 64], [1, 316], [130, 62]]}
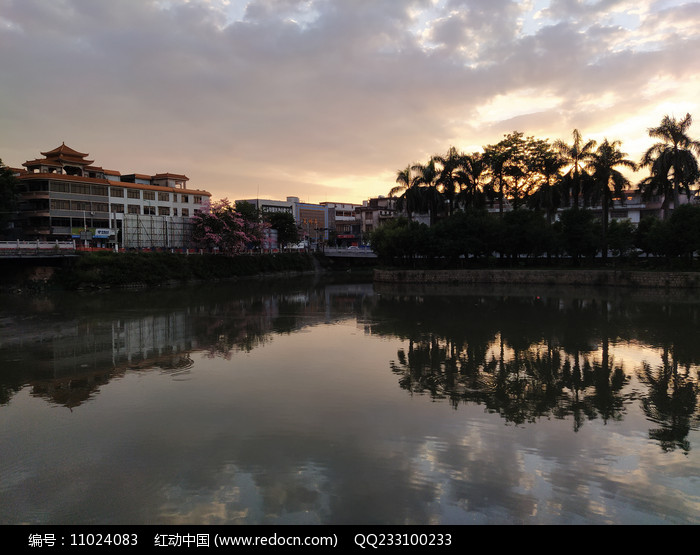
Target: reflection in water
{"points": [[286, 403], [527, 358]]}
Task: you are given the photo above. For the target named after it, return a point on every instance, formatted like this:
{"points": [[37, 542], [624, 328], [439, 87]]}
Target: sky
{"points": [[327, 100]]}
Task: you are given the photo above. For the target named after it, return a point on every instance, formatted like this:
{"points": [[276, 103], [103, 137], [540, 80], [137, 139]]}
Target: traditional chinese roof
{"points": [[65, 151], [60, 156], [42, 162]]}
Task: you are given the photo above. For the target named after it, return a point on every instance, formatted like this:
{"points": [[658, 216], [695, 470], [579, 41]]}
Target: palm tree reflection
{"points": [[528, 359]]}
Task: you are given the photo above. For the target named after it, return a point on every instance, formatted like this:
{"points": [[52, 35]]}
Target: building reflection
{"points": [[524, 356], [66, 358]]}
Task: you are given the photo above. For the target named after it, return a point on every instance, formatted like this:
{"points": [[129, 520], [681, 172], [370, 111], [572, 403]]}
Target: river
{"points": [[337, 401]]}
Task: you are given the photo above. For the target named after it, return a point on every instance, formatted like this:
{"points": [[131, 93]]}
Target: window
{"points": [[117, 192], [134, 209], [185, 198], [80, 189], [119, 208], [133, 193], [174, 211], [197, 199], [57, 204], [99, 190], [60, 187], [163, 211], [79, 205], [164, 197], [100, 206], [149, 210], [149, 195], [185, 211]]}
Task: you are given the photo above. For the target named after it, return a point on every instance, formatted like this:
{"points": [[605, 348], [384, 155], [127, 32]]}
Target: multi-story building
{"points": [[342, 219], [374, 212], [312, 220], [65, 196]]}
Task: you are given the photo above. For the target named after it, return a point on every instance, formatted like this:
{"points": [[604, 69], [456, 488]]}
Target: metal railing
{"points": [[18, 248]]}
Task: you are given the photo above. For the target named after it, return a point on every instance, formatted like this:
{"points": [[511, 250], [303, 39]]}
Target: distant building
{"points": [[312, 220], [374, 212], [343, 221], [64, 196]]}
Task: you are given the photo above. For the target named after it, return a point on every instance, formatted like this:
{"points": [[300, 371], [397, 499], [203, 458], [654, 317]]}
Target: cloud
{"points": [[285, 93]]}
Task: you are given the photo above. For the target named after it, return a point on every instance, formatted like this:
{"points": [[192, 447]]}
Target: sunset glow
{"points": [[327, 99]]}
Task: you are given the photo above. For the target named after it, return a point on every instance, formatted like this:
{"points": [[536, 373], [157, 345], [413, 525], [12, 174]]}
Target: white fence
{"points": [[36, 248]]}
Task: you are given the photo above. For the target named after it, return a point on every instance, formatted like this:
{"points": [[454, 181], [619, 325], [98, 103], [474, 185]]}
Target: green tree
{"points": [[504, 159], [517, 165], [683, 231], [675, 157], [401, 240], [649, 236], [523, 232], [9, 196], [468, 233], [579, 233], [621, 235], [609, 181], [286, 227]]}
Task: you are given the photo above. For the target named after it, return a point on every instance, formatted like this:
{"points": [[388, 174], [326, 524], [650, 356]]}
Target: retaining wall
{"points": [[616, 278]]}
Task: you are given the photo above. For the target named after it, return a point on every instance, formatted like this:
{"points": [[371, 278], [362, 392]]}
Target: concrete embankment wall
{"points": [[615, 278]]}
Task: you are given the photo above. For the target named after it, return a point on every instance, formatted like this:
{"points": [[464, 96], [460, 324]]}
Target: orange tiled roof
{"points": [[171, 175], [41, 162], [65, 151]]}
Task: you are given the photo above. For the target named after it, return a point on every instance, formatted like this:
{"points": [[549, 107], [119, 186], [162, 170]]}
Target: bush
{"points": [[97, 270]]}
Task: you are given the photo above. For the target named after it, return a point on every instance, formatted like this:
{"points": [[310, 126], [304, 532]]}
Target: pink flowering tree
{"points": [[219, 226]]}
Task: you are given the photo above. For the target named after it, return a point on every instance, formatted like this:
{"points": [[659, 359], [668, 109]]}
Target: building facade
{"points": [[64, 196], [343, 223], [374, 212], [312, 220]]}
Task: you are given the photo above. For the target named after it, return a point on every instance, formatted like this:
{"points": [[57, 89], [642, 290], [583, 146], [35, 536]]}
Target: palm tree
{"points": [[448, 177], [675, 155], [427, 180], [547, 163], [408, 192], [577, 155], [403, 178], [658, 183], [603, 167], [548, 196], [470, 179]]}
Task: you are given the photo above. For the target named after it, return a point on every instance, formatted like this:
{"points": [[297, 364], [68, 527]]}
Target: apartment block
{"points": [[65, 196]]}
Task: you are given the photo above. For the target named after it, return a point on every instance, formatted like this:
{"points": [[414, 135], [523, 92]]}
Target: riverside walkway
{"points": [[37, 249]]}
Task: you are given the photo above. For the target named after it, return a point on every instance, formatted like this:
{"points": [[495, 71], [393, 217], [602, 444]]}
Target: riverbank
{"points": [[107, 270], [569, 277]]}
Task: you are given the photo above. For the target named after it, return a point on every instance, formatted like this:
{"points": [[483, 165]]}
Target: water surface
{"points": [[313, 402]]}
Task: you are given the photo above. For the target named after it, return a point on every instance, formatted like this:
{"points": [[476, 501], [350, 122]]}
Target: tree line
{"points": [[476, 235], [527, 172]]}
